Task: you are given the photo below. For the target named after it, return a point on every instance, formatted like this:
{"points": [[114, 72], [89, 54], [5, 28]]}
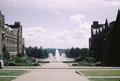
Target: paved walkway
{"points": [[52, 72]]}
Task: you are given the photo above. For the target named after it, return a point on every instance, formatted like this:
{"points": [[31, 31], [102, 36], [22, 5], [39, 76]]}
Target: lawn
{"points": [[11, 72], [6, 78], [104, 79], [7, 73], [101, 72]]}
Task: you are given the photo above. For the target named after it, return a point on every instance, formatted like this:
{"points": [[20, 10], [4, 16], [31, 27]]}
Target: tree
{"points": [[74, 52], [34, 52], [6, 55], [67, 52], [79, 54]]}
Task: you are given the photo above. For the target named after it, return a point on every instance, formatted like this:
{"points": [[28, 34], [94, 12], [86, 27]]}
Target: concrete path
{"points": [[52, 72]]}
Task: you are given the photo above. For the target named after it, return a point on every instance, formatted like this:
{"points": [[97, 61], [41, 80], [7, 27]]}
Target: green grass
{"points": [[101, 72], [6, 78], [11, 72], [8, 73], [104, 79]]}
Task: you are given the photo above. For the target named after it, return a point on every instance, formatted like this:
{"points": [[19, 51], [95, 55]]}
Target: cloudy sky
{"points": [[58, 23]]}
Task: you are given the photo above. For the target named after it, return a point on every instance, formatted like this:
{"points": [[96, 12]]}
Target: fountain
{"points": [[51, 57], [63, 57], [57, 56]]}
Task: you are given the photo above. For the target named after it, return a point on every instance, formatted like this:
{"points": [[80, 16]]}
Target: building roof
{"points": [[118, 15]]}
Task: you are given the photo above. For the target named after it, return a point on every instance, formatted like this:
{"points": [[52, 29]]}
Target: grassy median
{"points": [[104, 79], [5, 75], [11, 72], [6, 78], [101, 72]]}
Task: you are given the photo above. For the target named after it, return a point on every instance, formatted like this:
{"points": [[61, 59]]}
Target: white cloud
{"points": [[56, 11], [28, 3], [77, 18], [39, 36], [77, 37], [112, 3], [64, 4], [46, 37], [80, 20], [83, 30], [116, 3]]}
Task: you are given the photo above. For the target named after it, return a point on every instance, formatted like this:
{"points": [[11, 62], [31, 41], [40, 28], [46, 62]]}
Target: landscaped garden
{"points": [[104, 79], [102, 74], [8, 75], [6, 78]]}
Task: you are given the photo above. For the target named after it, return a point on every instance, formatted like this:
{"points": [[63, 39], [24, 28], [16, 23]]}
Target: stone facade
{"points": [[11, 39], [1, 28], [104, 43]]}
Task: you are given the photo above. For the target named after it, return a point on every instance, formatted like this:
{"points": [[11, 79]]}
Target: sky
{"points": [[58, 23]]}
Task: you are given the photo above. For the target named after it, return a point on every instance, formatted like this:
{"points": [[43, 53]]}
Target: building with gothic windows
{"points": [[104, 44], [11, 39]]}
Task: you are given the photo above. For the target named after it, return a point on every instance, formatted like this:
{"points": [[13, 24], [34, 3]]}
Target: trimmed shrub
{"points": [[36, 64], [74, 64], [12, 64]]}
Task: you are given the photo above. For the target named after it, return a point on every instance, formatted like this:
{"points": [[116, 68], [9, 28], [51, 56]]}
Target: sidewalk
{"points": [[52, 74]]}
